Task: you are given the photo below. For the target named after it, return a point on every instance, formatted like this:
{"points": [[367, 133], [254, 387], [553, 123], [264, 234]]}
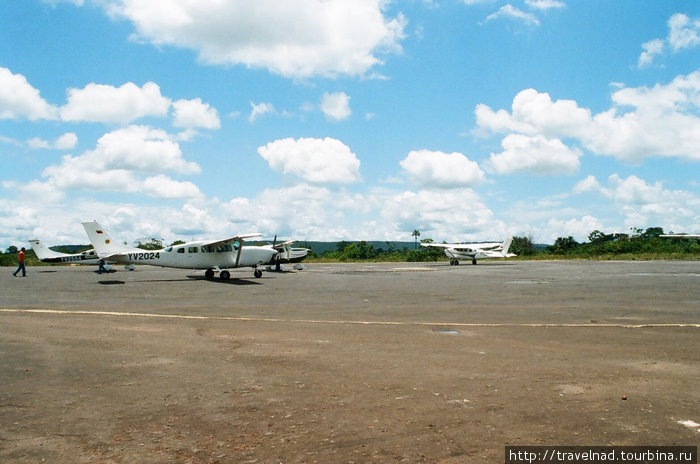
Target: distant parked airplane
{"points": [[47, 255], [474, 251], [287, 254]]}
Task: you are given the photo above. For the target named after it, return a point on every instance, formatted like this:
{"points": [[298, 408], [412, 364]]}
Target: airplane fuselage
{"points": [[474, 251], [87, 257], [193, 256], [464, 253]]}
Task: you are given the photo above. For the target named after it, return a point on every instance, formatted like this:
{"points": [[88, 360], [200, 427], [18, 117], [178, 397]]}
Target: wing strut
{"points": [[240, 249]]}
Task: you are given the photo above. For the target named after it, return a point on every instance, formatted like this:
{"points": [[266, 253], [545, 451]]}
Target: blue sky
{"points": [[348, 119]]}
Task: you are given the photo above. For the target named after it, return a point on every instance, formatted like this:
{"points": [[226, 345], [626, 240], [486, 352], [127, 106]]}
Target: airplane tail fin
{"points": [[43, 252], [103, 243], [506, 246]]}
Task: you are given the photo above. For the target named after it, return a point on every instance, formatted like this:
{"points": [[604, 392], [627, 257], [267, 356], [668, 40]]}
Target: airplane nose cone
{"points": [[266, 254]]}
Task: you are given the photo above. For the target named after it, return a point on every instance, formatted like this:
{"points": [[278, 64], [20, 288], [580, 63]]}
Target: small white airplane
{"points": [[474, 251], [47, 255], [287, 254], [212, 255]]}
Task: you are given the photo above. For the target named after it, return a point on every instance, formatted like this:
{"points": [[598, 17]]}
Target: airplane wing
{"points": [[485, 246], [471, 246], [239, 238], [485, 249], [281, 246]]}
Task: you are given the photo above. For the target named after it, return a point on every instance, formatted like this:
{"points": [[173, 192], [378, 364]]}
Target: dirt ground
{"points": [[363, 363]]}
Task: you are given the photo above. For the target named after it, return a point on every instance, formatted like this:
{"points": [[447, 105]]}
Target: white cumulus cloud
{"points": [[589, 184], [683, 32], [661, 121], [296, 212], [644, 204], [191, 114], [314, 160], [441, 170], [119, 162], [109, 104], [260, 109], [450, 215], [64, 142], [18, 99], [294, 38], [336, 106], [535, 154], [162, 186], [652, 49]]}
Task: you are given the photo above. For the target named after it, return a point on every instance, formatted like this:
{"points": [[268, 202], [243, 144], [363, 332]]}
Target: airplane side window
{"points": [[168, 250], [236, 245], [192, 250], [180, 250]]}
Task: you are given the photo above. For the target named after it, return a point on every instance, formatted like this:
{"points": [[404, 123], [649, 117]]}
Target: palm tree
{"points": [[416, 234]]}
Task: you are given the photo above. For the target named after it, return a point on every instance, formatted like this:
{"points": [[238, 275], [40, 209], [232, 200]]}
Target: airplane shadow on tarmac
{"points": [[232, 281]]}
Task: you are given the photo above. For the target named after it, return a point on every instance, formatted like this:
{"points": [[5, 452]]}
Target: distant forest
{"points": [[638, 244]]}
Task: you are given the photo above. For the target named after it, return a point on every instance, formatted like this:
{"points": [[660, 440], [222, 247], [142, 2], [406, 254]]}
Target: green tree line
{"points": [[638, 244], [363, 251]]}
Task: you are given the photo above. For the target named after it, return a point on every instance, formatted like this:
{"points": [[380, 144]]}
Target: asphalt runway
{"points": [[371, 362]]}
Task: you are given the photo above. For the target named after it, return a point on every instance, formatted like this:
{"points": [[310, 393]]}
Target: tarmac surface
{"points": [[342, 363]]}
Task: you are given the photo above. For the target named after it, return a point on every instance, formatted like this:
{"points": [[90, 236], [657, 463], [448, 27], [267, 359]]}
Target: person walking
{"points": [[20, 267]]}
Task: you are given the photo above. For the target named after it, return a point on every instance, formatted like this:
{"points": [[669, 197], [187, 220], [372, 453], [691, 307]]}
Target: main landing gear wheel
{"points": [[209, 273], [454, 262], [257, 273], [474, 261], [224, 275]]}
